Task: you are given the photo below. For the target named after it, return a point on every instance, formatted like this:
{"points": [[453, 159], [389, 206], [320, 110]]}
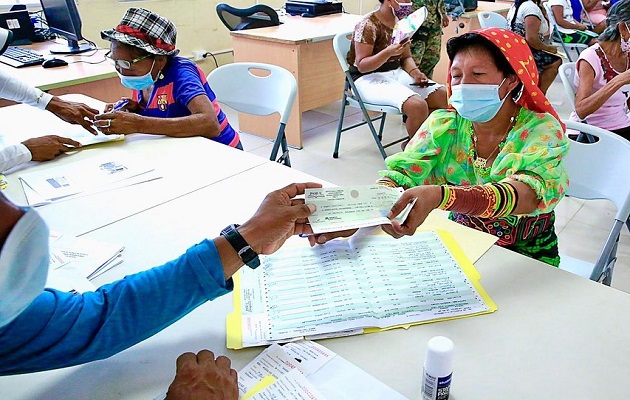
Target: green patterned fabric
{"points": [[440, 153]]}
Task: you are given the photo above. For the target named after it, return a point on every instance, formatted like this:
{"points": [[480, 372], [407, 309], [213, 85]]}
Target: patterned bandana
{"points": [[518, 54], [146, 30]]}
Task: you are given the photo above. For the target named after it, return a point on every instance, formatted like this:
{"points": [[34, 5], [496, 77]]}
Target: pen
{"points": [[118, 106]]}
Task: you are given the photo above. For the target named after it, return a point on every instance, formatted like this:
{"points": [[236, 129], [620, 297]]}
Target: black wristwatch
{"points": [[245, 252]]}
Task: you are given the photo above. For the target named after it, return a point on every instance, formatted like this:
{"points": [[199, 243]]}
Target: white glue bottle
{"points": [[438, 369]]}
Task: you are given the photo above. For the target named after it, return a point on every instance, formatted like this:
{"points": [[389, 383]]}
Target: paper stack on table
{"points": [[307, 370], [106, 172], [76, 260], [361, 285]]}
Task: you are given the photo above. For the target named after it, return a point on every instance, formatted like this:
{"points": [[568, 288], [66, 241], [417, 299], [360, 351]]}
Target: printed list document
{"points": [[349, 207], [345, 286], [307, 370]]}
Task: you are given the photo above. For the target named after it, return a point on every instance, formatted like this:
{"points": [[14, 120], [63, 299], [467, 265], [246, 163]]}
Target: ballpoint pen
{"points": [[118, 106]]}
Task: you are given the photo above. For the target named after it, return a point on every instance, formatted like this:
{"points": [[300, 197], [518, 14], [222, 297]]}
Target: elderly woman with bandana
{"points": [[170, 93], [602, 97], [495, 160]]}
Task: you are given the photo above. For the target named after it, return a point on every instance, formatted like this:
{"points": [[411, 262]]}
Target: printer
{"points": [[312, 8]]}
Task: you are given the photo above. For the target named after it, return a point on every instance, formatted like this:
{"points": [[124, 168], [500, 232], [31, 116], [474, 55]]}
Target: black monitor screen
{"points": [[63, 19]]}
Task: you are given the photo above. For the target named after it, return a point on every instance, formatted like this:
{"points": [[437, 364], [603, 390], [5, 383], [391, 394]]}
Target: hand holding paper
{"points": [[406, 27]]}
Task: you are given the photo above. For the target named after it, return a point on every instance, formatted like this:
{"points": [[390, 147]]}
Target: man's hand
{"points": [[131, 105], [46, 148], [118, 122], [278, 217], [72, 112], [201, 377]]}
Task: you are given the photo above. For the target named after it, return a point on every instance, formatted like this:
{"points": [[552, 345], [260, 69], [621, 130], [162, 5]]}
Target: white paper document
{"points": [[341, 208], [307, 370], [369, 281], [89, 257], [88, 175]]}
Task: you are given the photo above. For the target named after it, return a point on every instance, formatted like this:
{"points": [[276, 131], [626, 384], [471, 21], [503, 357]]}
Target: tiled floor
{"points": [[581, 226]]}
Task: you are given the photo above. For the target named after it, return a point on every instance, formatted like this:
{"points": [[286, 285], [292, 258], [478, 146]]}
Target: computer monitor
{"points": [[63, 19]]}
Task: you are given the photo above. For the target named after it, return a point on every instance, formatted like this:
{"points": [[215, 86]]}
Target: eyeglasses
{"points": [[125, 64]]}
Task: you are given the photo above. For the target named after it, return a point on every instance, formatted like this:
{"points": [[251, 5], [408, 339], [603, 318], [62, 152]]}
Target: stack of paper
{"points": [[106, 172], [360, 285], [74, 261], [307, 370]]}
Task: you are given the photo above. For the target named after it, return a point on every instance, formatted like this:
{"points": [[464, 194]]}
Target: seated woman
{"points": [[527, 19], [495, 161], [170, 94], [385, 73], [596, 10], [602, 71], [570, 30]]}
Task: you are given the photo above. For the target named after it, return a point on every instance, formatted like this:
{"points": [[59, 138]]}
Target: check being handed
{"points": [[341, 208]]}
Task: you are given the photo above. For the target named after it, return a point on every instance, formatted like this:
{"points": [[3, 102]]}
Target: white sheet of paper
{"points": [[87, 176], [349, 207], [328, 373], [373, 281], [290, 386], [88, 256], [68, 279]]}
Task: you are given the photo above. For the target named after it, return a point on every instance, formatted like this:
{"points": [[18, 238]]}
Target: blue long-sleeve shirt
{"points": [[61, 329]]}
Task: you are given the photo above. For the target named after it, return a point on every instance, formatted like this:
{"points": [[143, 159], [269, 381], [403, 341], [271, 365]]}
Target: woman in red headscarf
{"points": [[495, 160]]}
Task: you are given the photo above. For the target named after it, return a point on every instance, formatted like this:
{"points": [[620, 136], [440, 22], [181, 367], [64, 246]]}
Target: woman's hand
{"points": [[118, 122], [427, 198], [130, 106], [418, 76], [396, 49]]}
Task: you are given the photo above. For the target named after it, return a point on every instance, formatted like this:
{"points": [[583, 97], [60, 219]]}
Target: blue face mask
{"points": [[24, 264], [477, 103], [138, 82]]}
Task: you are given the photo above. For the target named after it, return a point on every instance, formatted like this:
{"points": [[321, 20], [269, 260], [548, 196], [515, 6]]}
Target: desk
{"points": [[467, 22], [95, 80], [555, 335], [185, 165], [304, 47]]}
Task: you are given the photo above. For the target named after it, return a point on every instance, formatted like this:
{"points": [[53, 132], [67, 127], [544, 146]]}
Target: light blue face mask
{"points": [[24, 264], [137, 82], [477, 103]]}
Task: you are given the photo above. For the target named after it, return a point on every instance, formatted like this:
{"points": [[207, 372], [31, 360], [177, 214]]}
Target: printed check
{"points": [[350, 207]]}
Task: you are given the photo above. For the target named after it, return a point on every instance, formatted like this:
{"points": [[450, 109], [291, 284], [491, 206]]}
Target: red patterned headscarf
{"points": [[518, 54]]}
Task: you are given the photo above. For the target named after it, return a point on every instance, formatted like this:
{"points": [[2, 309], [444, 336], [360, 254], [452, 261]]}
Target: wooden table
{"points": [[86, 73], [304, 47], [465, 23]]}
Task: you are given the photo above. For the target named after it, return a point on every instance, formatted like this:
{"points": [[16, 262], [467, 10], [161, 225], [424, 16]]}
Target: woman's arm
{"points": [[532, 26], [587, 102], [367, 62], [201, 122], [558, 14]]}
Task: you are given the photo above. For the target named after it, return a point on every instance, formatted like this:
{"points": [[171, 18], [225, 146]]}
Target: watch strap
{"points": [[240, 245]]}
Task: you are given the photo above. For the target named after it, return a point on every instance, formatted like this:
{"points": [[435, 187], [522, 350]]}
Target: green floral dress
{"points": [[442, 152]]}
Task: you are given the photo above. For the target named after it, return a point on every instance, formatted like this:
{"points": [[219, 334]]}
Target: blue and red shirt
{"points": [[184, 80]]}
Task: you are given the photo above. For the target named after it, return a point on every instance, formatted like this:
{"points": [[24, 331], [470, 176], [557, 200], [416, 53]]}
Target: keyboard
{"points": [[20, 57]]}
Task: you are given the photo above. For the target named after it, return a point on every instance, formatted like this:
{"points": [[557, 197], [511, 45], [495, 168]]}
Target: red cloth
{"points": [[518, 54]]}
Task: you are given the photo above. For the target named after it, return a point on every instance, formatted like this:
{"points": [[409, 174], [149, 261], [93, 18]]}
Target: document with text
{"points": [[349, 207], [373, 281]]}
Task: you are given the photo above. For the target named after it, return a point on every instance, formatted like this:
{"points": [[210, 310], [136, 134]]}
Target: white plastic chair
{"points": [[351, 97], [555, 35], [237, 87], [489, 19], [567, 72], [599, 171]]}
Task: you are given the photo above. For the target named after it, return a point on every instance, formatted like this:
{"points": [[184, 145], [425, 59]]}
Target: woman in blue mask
{"points": [[495, 159], [170, 95]]}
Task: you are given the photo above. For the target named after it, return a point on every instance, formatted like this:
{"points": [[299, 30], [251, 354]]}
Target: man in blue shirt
{"points": [[53, 329]]}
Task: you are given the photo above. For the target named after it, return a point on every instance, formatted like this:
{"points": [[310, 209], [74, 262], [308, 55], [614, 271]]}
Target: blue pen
{"points": [[118, 106]]}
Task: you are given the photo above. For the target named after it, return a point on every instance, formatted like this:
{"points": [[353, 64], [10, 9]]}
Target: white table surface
{"points": [[185, 165], [555, 335]]}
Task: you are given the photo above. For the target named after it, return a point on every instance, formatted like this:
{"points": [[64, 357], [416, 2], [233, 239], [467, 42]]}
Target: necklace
{"points": [[480, 163]]}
